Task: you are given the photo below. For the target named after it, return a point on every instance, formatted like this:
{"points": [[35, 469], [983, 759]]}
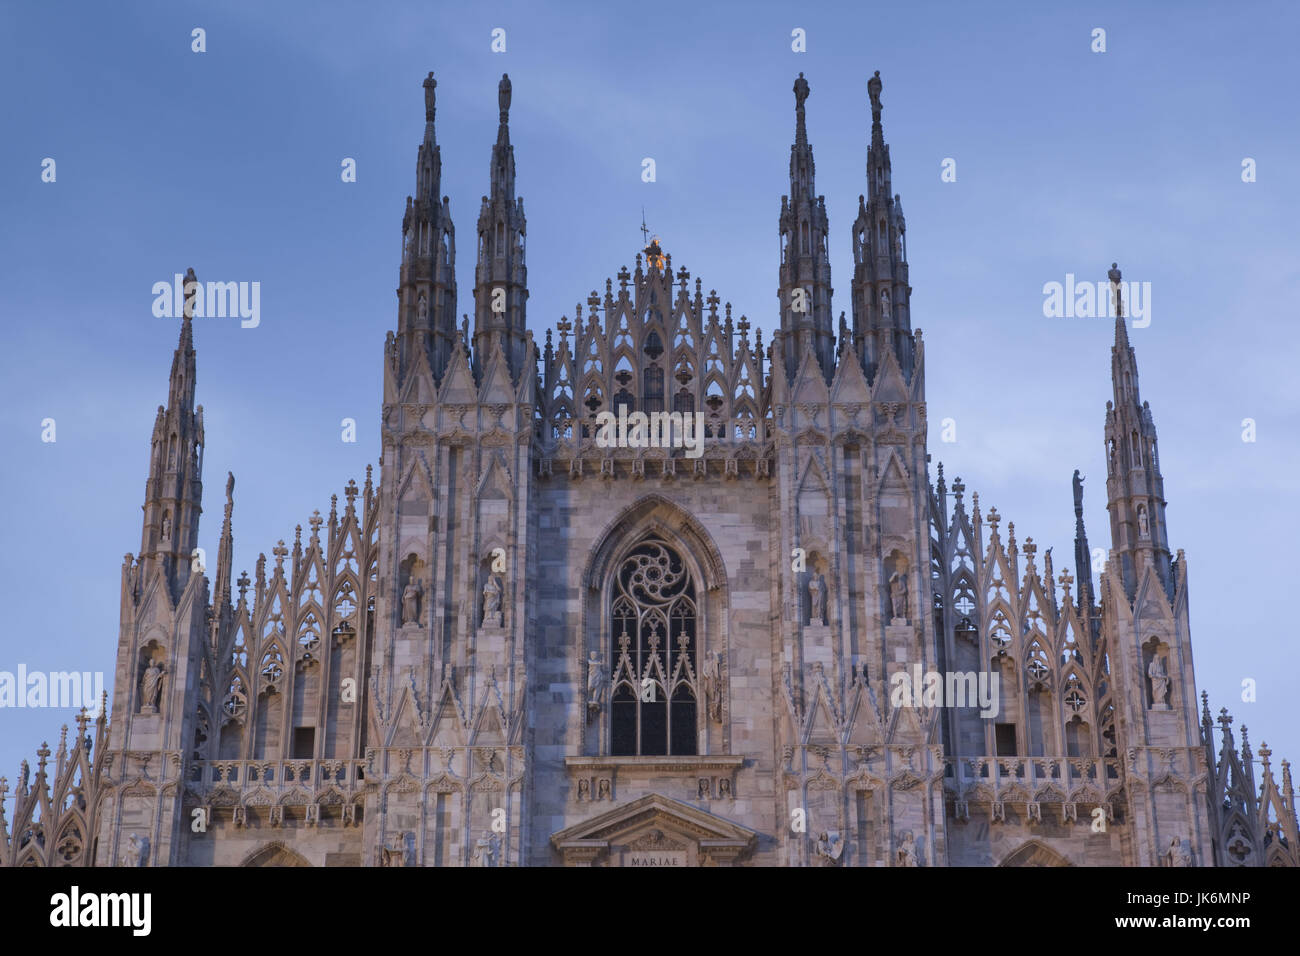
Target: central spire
{"points": [[805, 272]]}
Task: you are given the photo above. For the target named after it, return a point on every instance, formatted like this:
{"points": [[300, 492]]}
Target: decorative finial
{"points": [[503, 96], [430, 84]]}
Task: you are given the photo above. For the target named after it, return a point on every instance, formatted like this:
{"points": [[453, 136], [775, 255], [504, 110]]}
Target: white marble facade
{"points": [[520, 645]]}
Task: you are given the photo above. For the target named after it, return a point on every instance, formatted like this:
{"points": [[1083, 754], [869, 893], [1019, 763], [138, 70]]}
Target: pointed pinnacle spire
{"points": [[189, 290], [182, 375], [226, 544]]}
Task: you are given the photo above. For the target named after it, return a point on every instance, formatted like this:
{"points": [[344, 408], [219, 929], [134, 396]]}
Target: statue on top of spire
{"points": [[873, 90], [430, 84], [801, 91], [503, 96]]}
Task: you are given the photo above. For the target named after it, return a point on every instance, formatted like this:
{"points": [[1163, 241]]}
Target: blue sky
{"points": [[228, 161]]}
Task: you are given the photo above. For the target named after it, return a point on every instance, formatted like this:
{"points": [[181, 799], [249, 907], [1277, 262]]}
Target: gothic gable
{"points": [[654, 831]]}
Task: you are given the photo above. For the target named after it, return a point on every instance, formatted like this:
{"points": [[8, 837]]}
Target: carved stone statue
{"points": [[492, 613], [828, 848], [602, 789], [486, 849], [898, 596], [503, 94], [398, 851], [150, 686], [906, 855], [137, 851], [167, 527], [1144, 525], [873, 91], [1078, 494], [430, 84], [595, 685], [422, 312], [411, 603], [884, 304], [584, 789], [712, 681], [1159, 682], [816, 605], [1179, 853], [800, 92]]}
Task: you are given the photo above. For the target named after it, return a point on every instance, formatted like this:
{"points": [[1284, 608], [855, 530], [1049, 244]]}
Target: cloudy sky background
{"points": [[229, 162]]}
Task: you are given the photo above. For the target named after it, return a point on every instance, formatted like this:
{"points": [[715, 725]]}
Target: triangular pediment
{"points": [[458, 386], [654, 830]]}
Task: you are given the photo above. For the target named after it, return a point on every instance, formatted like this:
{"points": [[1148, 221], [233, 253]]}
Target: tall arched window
{"points": [[652, 392], [653, 620]]}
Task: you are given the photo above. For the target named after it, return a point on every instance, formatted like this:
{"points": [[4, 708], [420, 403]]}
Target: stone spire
{"points": [[882, 319], [1134, 486], [501, 277], [427, 289], [805, 274], [174, 489], [221, 605]]}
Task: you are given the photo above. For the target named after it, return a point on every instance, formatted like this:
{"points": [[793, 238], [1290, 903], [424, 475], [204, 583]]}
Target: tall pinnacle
{"points": [[805, 276], [426, 318], [1134, 485], [503, 154], [881, 291], [500, 277]]}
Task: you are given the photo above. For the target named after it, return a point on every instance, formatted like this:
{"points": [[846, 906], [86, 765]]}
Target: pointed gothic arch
{"points": [[274, 854], [686, 626], [656, 513], [1034, 853]]}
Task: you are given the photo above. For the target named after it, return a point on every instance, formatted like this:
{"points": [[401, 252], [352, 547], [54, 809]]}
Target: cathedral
{"points": [[749, 625]]}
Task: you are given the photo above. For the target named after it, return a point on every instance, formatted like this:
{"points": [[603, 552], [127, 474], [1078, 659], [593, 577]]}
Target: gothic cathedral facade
{"points": [[526, 644]]}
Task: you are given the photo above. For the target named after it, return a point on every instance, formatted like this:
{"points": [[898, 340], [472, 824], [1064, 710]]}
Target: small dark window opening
{"points": [[1005, 737], [304, 743]]}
